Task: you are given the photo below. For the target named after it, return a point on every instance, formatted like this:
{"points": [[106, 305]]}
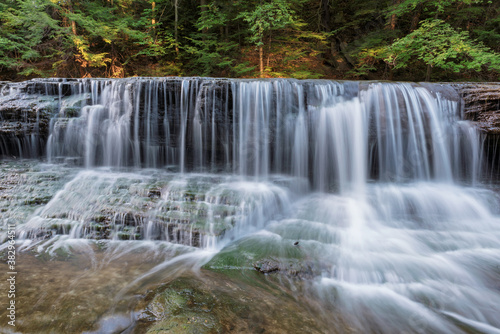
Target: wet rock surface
{"points": [[218, 304], [26, 112], [86, 296], [292, 268], [142, 205], [26, 186], [24, 125], [481, 104]]}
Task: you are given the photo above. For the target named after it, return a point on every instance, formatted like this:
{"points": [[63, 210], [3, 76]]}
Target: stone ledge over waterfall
{"points": [[481, 104]]}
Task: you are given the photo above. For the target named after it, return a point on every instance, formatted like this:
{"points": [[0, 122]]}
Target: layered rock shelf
{"points": [[481, 104]]}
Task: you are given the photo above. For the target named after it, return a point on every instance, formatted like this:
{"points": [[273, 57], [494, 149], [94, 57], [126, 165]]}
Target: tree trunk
{"points": [[73, 27], [153, 21], [416, 17], [176, 36], [79, 62], [72, 23], [203, 8], [261, 60], [392, 23], [269, 48], [325, 15], [428, 74]]}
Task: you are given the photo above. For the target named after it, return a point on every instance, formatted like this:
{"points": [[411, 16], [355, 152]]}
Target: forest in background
{"points": [[414, 40]]}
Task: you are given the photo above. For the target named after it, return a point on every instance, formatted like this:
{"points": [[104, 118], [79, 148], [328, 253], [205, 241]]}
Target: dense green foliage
{"points": [[387, 39]]}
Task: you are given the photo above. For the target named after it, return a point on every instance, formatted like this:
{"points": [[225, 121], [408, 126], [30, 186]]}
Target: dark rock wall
{"points": [[481, 104], [24, 122]]}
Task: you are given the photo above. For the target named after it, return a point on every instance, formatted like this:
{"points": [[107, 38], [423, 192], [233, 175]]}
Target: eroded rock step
{"points": [[195, 210]]}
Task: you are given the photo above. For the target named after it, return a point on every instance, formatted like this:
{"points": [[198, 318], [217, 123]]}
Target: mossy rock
{"points": [[179, 307], [183, 311], [72, 112], [216, 303]]}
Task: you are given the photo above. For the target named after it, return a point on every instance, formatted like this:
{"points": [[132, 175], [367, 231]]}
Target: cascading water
{"points": [[374, 189]]}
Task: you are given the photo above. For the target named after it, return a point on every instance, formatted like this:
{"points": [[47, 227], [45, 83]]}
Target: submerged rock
{"points": [[292, 268], [217, 304], [267, 255]]}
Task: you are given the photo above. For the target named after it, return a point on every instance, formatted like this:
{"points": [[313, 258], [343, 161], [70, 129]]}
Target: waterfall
{"points": [[375, 188], [336, 134]]}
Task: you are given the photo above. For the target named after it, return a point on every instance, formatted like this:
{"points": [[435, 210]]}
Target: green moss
{"points": [[180, 308], [72, 112], [219, 304], [247, 252]]}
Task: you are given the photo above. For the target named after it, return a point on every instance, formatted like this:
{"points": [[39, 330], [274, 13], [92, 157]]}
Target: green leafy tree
{"points": [[437, 44], [213, 52], [386, 39], [430, 34], [106, 35], [28, 34], [265, 17]]}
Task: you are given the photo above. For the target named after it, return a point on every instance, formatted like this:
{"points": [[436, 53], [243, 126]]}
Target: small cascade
{"points": [[195, 210]]}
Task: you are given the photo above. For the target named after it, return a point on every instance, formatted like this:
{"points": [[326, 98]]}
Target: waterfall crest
{"points": [[336, 134]]}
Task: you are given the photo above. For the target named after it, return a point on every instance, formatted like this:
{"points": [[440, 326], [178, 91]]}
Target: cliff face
{"points": [[24, 120], [481, 104]]}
